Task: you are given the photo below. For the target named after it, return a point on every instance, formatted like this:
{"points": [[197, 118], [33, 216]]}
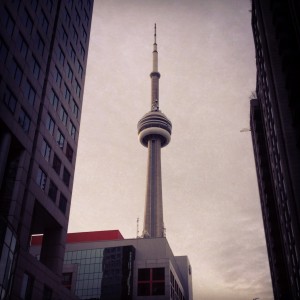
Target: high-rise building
{"points": [[275, 128], [154, 131], [43, 56]]}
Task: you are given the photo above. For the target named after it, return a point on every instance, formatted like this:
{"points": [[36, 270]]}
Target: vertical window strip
{"points": [[41, 178], [30, 93], [9, 22], [46, 150], [10, 100], [24, 120]]}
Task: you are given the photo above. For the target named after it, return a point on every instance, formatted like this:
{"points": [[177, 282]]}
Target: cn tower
{"points": [[154, 130]]}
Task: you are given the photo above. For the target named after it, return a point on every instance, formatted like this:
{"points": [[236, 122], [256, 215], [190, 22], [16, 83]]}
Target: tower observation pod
{"points": [[154, 130]]}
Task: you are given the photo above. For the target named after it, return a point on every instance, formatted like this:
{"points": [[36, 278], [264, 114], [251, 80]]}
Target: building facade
{"points": [[103, 265], [275, 127], [43, 56]]}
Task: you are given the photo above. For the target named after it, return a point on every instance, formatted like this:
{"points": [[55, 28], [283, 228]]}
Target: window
{"points": [[66, 177], [23, 46], [72, 53], [10, 100], [46, 150], [72, 130], [61, 56], [16, 72], [62, 203], [41, 179], [84, 35], [69, 72], [77, 88], [69, 153], [80, 69], [75, 35], [52, 192], [27, 21], [36, 69], [67, 280], [56, 164], [9, 23], [60, 139], [75, 108], [176, 292], [86, 18], [3, 51], [47, 293], [151, 282], [64, 36], [63, 115], [67, 17], [82, 51], [54, 99], [71, 3], [49, 4], [44, 22], [89, 5], [24, 120], [57, 77], [172, 279], [77, 17], [30, 93], [16, 3], [144, 282], [34, 4], [8, 250], [40, 44], [50, 124], [27, 286], [67, 94]]}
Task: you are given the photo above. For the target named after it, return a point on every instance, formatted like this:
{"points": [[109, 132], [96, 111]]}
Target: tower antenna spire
{"points": [[155, 77]]}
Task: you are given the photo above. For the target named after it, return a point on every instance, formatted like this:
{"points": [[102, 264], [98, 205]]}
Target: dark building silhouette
{"points": [[43, 56], [275, 127]]}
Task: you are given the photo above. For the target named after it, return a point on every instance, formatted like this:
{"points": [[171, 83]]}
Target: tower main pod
{"points": [[154, 131]]}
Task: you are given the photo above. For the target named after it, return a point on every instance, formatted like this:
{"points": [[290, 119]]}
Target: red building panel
{"points": [[81, 237]]}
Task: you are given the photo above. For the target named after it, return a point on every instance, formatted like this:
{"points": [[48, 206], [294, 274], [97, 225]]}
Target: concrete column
{"points": [[153, 219], [53, 249]]}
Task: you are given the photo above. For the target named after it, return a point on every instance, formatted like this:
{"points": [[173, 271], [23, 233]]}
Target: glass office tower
{"points": [[275, 129], [43, 57]]}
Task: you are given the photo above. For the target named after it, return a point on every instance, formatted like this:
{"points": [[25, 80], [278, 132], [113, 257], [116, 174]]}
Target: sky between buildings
{"points": [[211, 202]]}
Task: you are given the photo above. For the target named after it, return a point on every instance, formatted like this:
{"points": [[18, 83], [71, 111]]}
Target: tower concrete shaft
{"points": [[153, 218], [154, 131]]}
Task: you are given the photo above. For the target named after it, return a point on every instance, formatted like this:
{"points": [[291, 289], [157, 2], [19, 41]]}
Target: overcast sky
{"points": [[211, 202]]}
